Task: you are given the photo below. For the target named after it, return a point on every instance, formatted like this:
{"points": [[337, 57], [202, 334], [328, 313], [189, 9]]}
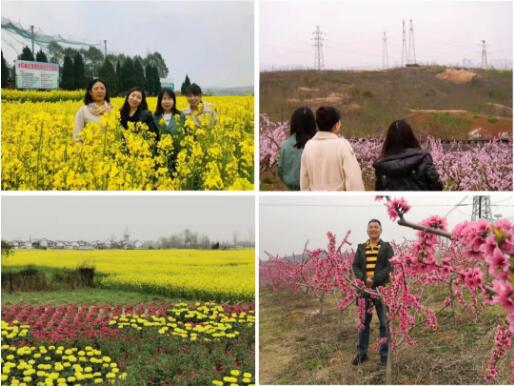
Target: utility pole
{"points": [[404, 45], [318, 48], [484, 54], [32, 39], [385, 54], [105, 48], [412, 48]]}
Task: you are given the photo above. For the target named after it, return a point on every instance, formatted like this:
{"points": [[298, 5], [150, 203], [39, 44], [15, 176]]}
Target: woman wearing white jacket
{"points": [[328, 160]]}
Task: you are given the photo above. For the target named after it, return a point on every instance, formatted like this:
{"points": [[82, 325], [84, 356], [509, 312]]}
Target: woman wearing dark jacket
{"points": [[403, 165], [135, 109]]}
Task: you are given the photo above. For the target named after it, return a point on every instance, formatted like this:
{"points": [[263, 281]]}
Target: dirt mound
{"points": [[331, 99], [308, 89], [457, 76], [502, 110]]}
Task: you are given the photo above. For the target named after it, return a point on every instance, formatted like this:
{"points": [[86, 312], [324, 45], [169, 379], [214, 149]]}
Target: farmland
{"points": [[463, 118], [147, 317], [38, 152]]}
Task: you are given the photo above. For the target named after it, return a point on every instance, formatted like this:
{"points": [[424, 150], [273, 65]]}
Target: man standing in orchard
{"points": [[371, 265]]}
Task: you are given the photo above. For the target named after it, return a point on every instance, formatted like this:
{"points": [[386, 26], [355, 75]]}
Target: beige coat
{"points": [[329, 163]]}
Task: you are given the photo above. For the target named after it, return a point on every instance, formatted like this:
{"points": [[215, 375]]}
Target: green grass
{"points": [[448, 120], [85, 296]]}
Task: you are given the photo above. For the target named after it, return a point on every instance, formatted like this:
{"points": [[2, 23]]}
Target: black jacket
{"points": [[412, 169], [144, 116], [382, 268]]}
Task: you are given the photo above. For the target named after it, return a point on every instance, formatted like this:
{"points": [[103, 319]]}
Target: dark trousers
{"points": [[362, 347]]}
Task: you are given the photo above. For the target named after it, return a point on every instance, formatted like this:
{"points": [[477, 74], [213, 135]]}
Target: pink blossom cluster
{"points": [[397, 207], [271, 137], [461, 167], [493, 244], [503, 342]]}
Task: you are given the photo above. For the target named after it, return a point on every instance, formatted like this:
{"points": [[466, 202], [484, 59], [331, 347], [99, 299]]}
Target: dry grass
{"points": [[297, 346], [371, 100]]}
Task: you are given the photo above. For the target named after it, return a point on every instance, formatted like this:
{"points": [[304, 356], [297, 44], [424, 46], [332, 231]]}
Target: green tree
{"points": [[108, 75], [68, 74], [5, 73], [118, 77], [185, 85], [127, 75], [79, 71], [156, 80], [7, 249], [156, 60], [41, 57], [26, 54], [13, 77], [139, 73], [149, 79], [56, 52], [93, 60]]}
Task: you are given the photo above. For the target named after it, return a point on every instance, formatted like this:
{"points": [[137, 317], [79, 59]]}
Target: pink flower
{"points": [[498, 263], [473, 278], [504, 295], [396, 206]]}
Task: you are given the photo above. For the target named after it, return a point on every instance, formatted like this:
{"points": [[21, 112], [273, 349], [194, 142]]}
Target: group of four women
{"points": [[315, 157], [135, 109]]}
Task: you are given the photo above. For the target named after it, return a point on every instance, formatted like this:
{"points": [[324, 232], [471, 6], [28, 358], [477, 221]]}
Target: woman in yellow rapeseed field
{"points": [[39, 153], [135, 109], [96, 103], [166, 112], [197, 107]]}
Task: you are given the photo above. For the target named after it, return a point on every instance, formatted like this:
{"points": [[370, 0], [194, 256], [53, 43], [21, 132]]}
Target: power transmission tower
{"points": [[404, 45], [482, 208], [318, 48], [385, 54], [484, 54], [412, 48]]}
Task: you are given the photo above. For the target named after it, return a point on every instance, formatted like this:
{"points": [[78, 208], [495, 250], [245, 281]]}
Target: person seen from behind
{"points": [[302, 128], [328, 160], [403, 164]]}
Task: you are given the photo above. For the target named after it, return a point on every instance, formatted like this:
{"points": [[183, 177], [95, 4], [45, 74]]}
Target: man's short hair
{"points": [[194, 89], [375, 220]]}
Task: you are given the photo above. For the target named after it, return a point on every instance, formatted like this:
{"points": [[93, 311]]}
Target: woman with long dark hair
{"points": [[135, 109], [302, 128], [166, 112], [403, 164], [96, 103], [328, 160]]}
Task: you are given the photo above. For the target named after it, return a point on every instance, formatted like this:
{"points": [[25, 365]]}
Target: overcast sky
{"points": [[210, 41], [287, 222], [147, 218], [444, 32]]}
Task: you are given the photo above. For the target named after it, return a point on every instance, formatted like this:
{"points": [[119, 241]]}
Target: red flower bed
{"points": [[53, 323]]}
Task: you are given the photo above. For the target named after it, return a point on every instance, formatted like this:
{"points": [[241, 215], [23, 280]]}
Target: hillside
{"points": [[447, 103]]}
